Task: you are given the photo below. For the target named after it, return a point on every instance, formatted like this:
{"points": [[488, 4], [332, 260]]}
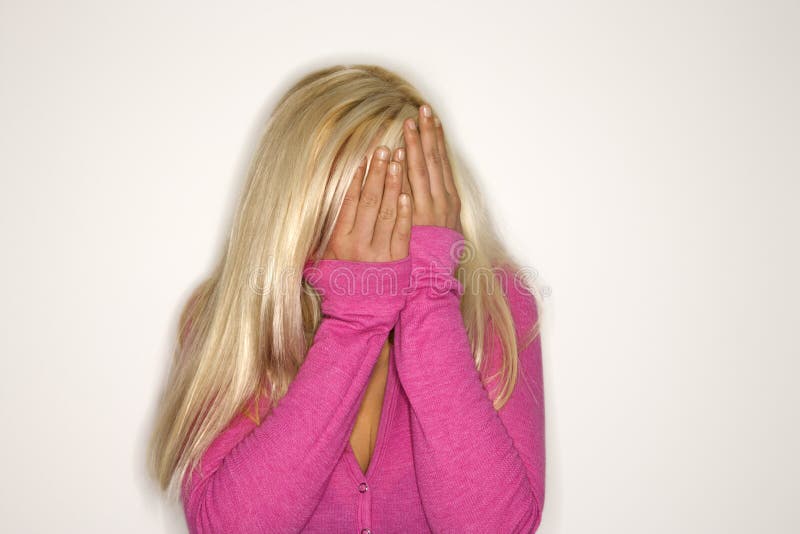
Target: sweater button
{"points": [[362, 488], [366, 531]]}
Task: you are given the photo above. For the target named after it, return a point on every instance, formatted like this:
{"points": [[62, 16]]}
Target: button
{"points": [[362, 488], [366, 531]]}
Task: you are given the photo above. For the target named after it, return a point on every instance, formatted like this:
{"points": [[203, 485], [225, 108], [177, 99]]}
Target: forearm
{"points": [[471, 476], [273, 478]]}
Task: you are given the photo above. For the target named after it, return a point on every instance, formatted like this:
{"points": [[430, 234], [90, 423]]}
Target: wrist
{"points": [[347, 287], [435, 253]]}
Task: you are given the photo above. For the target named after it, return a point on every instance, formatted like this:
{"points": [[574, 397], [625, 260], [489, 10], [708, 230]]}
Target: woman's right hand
{"points": [[374, 223]]}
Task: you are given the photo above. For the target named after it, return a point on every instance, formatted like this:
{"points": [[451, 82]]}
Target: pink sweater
{"points": [[445, 460]]}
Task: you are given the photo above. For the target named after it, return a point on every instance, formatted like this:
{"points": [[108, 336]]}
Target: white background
{"points": [[641, 156]]}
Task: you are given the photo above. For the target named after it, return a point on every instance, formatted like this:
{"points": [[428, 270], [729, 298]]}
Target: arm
{"points": [[270, 478], [478, 469]]}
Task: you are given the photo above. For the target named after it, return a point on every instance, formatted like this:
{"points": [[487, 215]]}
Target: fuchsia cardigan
{"points": [[445, 460]]}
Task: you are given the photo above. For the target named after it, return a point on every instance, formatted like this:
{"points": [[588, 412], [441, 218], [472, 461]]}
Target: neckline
{"points": [[387, 410]]}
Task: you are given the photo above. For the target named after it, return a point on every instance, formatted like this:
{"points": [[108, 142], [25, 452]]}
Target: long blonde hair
{"points": [[245, 330]]}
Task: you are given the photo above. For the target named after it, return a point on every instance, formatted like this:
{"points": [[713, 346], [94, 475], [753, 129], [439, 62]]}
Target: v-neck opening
{"points": [[387, 409]]}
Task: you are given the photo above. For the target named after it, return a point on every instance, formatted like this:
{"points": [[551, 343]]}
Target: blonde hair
{"points": [[245, 330]]}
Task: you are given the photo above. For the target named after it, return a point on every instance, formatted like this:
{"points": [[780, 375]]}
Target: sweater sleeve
{"points": [[478, 469], [270, 477]]}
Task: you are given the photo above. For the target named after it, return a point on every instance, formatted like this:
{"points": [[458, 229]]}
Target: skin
{"points": [[430, 177], [414, 186]]}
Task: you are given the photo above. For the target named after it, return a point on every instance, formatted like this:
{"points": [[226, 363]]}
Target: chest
{"points": [[386, 499], [364, 435]]}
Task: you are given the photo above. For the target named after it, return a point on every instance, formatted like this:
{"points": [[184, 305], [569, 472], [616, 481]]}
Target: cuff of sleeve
{"points": [[367, 289], [435, 253]]}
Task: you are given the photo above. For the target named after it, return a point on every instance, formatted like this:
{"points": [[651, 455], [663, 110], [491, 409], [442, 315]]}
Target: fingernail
{"points": [[401, 154], [426, 110], [411, 124], [437, 122], [382, 153], [394, 167]]}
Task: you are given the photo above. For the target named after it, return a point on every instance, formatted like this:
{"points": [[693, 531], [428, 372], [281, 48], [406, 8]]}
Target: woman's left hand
{"points": [[434, 198]]}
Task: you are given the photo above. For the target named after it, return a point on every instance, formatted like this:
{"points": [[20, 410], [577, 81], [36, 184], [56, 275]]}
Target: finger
{"points": [[447, 171], [381, 237], [433, 160], [417, 169], [453, 201], [400, 156], [347, 214], [370, 200], [406, 184], [402, 228]]}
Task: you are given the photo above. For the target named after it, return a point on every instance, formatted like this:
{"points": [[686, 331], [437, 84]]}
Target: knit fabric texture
{"points": [[445, 460]]}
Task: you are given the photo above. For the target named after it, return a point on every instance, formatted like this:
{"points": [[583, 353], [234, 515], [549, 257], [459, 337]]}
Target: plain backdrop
{"points": [[641, 157]]}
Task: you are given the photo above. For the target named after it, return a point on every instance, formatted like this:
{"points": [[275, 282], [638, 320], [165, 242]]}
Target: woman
{"points": [[358, 361]]}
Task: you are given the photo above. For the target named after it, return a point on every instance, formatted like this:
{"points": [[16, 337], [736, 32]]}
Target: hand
{"points": [[433, 191], [374, 223]]}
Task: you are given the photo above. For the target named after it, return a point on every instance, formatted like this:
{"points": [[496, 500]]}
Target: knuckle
{"points": [[386, 214], [392, 182], [336, 240], [339, 240], [402, 234], [423, 205], [342, 250], [370, 199], [433, 156]]}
